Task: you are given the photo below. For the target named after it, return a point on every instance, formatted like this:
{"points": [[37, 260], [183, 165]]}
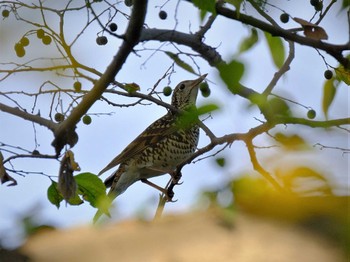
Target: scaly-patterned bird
{"points": [[160, 148]]}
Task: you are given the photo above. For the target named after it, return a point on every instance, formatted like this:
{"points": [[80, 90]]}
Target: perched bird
{"points": [[160, 148]]}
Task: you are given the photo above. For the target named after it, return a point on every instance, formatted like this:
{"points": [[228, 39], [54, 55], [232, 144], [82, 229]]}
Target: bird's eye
{"points": [[182, 86]]}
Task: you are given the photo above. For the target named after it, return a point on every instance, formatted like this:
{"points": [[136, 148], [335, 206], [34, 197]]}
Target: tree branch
{"points": [[27, 116], [131, 38], [333, 50], [191, 40]]}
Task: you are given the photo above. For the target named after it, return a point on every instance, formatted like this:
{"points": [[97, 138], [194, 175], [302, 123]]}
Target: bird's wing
{"points": [[155, 133]]}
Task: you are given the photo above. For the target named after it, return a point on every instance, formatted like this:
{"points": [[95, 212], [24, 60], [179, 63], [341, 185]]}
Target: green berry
{"points": [[128, 2], [19, 49], [205, 90], [101, 40], [40, 33], [163, 15], [113, 27], [167, 90], [328, 74], [5, 13], [59, 117], [311, 114], [284, 18], [77, 86], [24, 41], [87, 120], [46, 39]]}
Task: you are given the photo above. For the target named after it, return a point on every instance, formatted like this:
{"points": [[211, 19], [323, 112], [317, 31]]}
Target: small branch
{"points": [[27, 116], [257, 167], [285, 67]]}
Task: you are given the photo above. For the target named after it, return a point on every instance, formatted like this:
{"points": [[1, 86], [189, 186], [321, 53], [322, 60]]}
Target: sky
{"points": [[113, 128]]}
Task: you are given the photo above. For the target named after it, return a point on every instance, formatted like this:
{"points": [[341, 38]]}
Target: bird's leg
{"points": [[176, 176], [168, 193]]}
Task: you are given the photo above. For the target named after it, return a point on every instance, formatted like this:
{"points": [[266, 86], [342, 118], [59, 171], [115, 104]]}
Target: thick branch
{"points": [[131, 38], [194, 41], [331, 49]]}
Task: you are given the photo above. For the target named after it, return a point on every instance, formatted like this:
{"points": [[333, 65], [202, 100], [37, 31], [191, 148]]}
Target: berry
{"points": [[101, 40], [328, 74], [319, 6], [128, 2], [87, 120], [40, 33], [205, 90], [167, 91], [284, 18], [163, 15], [113, 27], [59, 117], [24, 41], [46, 40], [77, 86], [19, 49], [35, 152], [311, 114], [314, 2], [5, 13]]}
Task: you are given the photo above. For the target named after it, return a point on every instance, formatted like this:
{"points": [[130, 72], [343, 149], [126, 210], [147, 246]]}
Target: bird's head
{"points": [[185, 93]]}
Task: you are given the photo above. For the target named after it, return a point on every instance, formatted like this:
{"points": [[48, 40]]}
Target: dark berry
{"points": [[311, 114], [5, 13], [284, 18], [24, 41], [35, 152], [163, 15], [314, 2], [167, 91], [101, 40], [128, 2], [46, 39], [328, 74], [59, 117], [40, 33], [319, 6], [19, 49], [113, 27], [87, 120], [77, 86]]}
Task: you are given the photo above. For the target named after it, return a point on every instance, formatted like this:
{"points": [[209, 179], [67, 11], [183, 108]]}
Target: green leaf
{"points": [[205, 109], [180, 63], [206, 5], [276, 49], [329, 91], [249, 41], [190, 116], [231, 74], [54, 195], [91, 187]]}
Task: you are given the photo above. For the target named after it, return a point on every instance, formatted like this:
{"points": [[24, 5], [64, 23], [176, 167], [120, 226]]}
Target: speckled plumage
{"points": [[159, 148]]}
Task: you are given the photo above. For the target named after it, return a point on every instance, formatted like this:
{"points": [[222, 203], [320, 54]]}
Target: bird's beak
{"points": [[197, 81]]}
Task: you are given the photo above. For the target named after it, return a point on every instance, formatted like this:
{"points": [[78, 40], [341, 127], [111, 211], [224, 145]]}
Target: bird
{"points": [[160, 148]]}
